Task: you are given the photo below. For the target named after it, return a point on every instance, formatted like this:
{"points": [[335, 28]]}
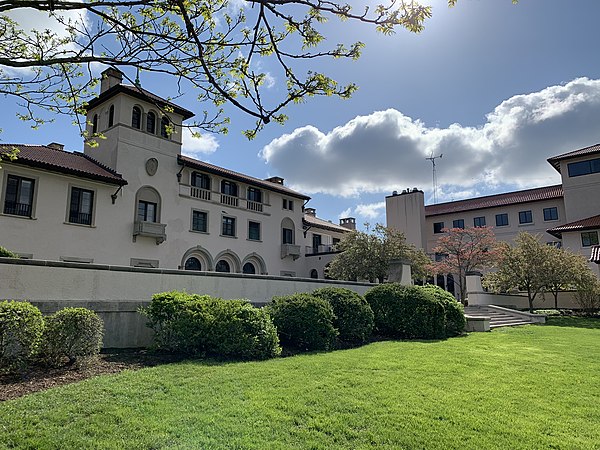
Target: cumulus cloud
{"points": [[370, 210], [196, 146], [386, 150]]}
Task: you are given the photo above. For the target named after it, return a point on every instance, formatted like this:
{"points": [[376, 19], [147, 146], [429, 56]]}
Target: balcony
{"points": [[199, 193], [229, 200], [290, 250], [150, 229], [323, 248], [254, 206]]}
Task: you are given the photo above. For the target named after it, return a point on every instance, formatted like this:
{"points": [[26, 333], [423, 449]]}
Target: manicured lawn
{"points": [[526, 387]]}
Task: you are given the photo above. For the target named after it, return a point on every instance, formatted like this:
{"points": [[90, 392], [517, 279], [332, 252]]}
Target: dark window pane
{"points": [[479, 222], [228, 226], [95, 124], [288, 236], [589, 238], [111, 116], [255, 195], [314, 273], [551, 213], [151, 123], [164, 127], [136, 117], [525, 217], [254, 231], [200, 180], [460, 223], [249, 268], [579, 168], [229, 188], [146, 211], [18, 199], [501, 220], [222, 266], [199, 221], [595, 165], [193, 264], [82, 203], [438, 227]]}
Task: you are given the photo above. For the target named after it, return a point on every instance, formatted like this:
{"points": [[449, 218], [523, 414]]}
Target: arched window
{"points": [[249, 269], [314, 273], [151, 122], [222, 266], [111, 116], [95, 124], [193, 263], [201, 180], [288, 233], [136, 117], [164, 127], [229, 188]]}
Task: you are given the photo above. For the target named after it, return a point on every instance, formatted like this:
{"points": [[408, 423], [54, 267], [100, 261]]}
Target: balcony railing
{"points": [[80, 218], [18, 209], [202, 194], [150, 229], [290, 250], [254, 206], [323, 248], [229, 200]]}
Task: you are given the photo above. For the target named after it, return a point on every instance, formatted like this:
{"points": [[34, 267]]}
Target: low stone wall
{"points": [[566, 300], [116, 292]]}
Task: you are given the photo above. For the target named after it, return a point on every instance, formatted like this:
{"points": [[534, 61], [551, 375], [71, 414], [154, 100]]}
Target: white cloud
{"points": [[370, 210], [203, 145], [345, 213], [386, 150]]}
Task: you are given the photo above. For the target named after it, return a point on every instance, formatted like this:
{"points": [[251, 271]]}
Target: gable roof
{"points": [[139, 93], [314, 222], [589, 223], [211, 168], [591, 150], [493, 201], [72, 163]]}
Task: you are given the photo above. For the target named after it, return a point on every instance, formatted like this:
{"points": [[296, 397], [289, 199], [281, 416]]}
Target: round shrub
{"points": [[72, 334], [303, 321], [454, 310], [353, 315], [21, 327], [407, 312]]}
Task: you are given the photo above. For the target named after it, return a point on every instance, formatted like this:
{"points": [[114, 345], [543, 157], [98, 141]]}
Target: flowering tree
{"points": [[464, 250]]}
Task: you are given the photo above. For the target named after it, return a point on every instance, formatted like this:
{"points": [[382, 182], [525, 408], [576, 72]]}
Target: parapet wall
{"points": [[116, 292]]}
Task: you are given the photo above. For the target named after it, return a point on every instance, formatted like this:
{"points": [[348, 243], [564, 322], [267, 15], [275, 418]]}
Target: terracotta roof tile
{"points": [[492, 201], [591, 150], [73, 163], [320, 223], [589, 223], [211, 168]]}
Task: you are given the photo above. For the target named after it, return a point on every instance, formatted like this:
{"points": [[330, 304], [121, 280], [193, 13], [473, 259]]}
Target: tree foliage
{"points": [[463, 251], [366, 255], [227, 51]]}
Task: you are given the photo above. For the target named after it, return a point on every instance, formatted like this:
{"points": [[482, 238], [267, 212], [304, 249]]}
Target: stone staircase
{"points": [[502, 317]]}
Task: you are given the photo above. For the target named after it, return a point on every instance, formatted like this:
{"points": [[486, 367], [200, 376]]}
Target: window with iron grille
{"points": [[82, 206], [19, 196]]}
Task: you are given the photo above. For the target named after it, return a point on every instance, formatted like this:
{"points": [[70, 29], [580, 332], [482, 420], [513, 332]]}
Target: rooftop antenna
{"points": [[432, 158]]}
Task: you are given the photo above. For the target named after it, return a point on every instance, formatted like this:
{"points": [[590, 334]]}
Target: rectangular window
{"points": [[316, 242], [589, 238], [200, 221], [525, 217], [438, 227], [288, 204], [146, 211], [19, 196], [228, 228], [288, 236], [479, 222], [550, 214], [201, 180], [82, 205], [584, 167], [501, 220], [254, 195], [459, 223], [254, 231]]}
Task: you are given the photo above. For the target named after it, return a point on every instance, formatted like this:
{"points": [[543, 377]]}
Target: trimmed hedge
{"points": [[304, 322], [354, 318], [21, 328], [406, 312], [73, 334], [454, 310], [204, 325]]}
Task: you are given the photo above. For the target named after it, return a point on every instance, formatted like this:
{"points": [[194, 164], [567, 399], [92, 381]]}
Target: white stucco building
{"points": [[567, 214], [135, 200]]}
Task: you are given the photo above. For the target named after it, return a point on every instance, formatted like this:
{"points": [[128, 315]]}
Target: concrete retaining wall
{"points": [[116, 292]]}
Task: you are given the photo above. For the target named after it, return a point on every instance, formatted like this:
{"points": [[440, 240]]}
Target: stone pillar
{"points": [[475, 293], [400, 272]]}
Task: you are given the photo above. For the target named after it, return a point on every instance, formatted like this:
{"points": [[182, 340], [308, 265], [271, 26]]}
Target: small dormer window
{"points": [[151, 122], [136, 117], [111, 116], [95, 124], [164, 127]]}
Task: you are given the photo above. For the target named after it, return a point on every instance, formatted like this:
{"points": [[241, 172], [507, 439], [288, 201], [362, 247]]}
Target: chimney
{"points": [[276, 180], [310, 211], [110, 77], [56, 146], [349, 223]]}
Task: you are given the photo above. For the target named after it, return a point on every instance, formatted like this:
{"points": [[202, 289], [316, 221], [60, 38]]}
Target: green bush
{"points": [[71, 334], [203, 325], [21, 328], [5, 253], [406, 312], [454, 310], [304, 322], [353, 315]]}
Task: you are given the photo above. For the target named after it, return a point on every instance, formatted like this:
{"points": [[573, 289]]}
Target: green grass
{"points": [[526, 387]]}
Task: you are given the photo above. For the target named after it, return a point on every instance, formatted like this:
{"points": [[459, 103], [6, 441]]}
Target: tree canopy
{"points": [[218, 48]]}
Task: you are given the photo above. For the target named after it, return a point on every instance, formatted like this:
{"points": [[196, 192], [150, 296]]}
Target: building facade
{"points": [[133, 199], [566, 215]]}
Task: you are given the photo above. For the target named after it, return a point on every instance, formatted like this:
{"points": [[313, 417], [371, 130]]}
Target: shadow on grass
{"points": [[574, 322]]}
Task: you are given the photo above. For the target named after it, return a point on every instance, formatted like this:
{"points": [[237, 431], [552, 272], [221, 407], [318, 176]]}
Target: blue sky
{"points": [[496, 87]]}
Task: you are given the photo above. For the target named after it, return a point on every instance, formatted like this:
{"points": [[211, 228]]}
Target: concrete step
{"points": [[497, 318]]}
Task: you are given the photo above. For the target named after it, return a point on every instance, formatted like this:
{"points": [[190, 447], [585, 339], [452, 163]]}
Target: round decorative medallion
{"points": [[152, 166]]}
